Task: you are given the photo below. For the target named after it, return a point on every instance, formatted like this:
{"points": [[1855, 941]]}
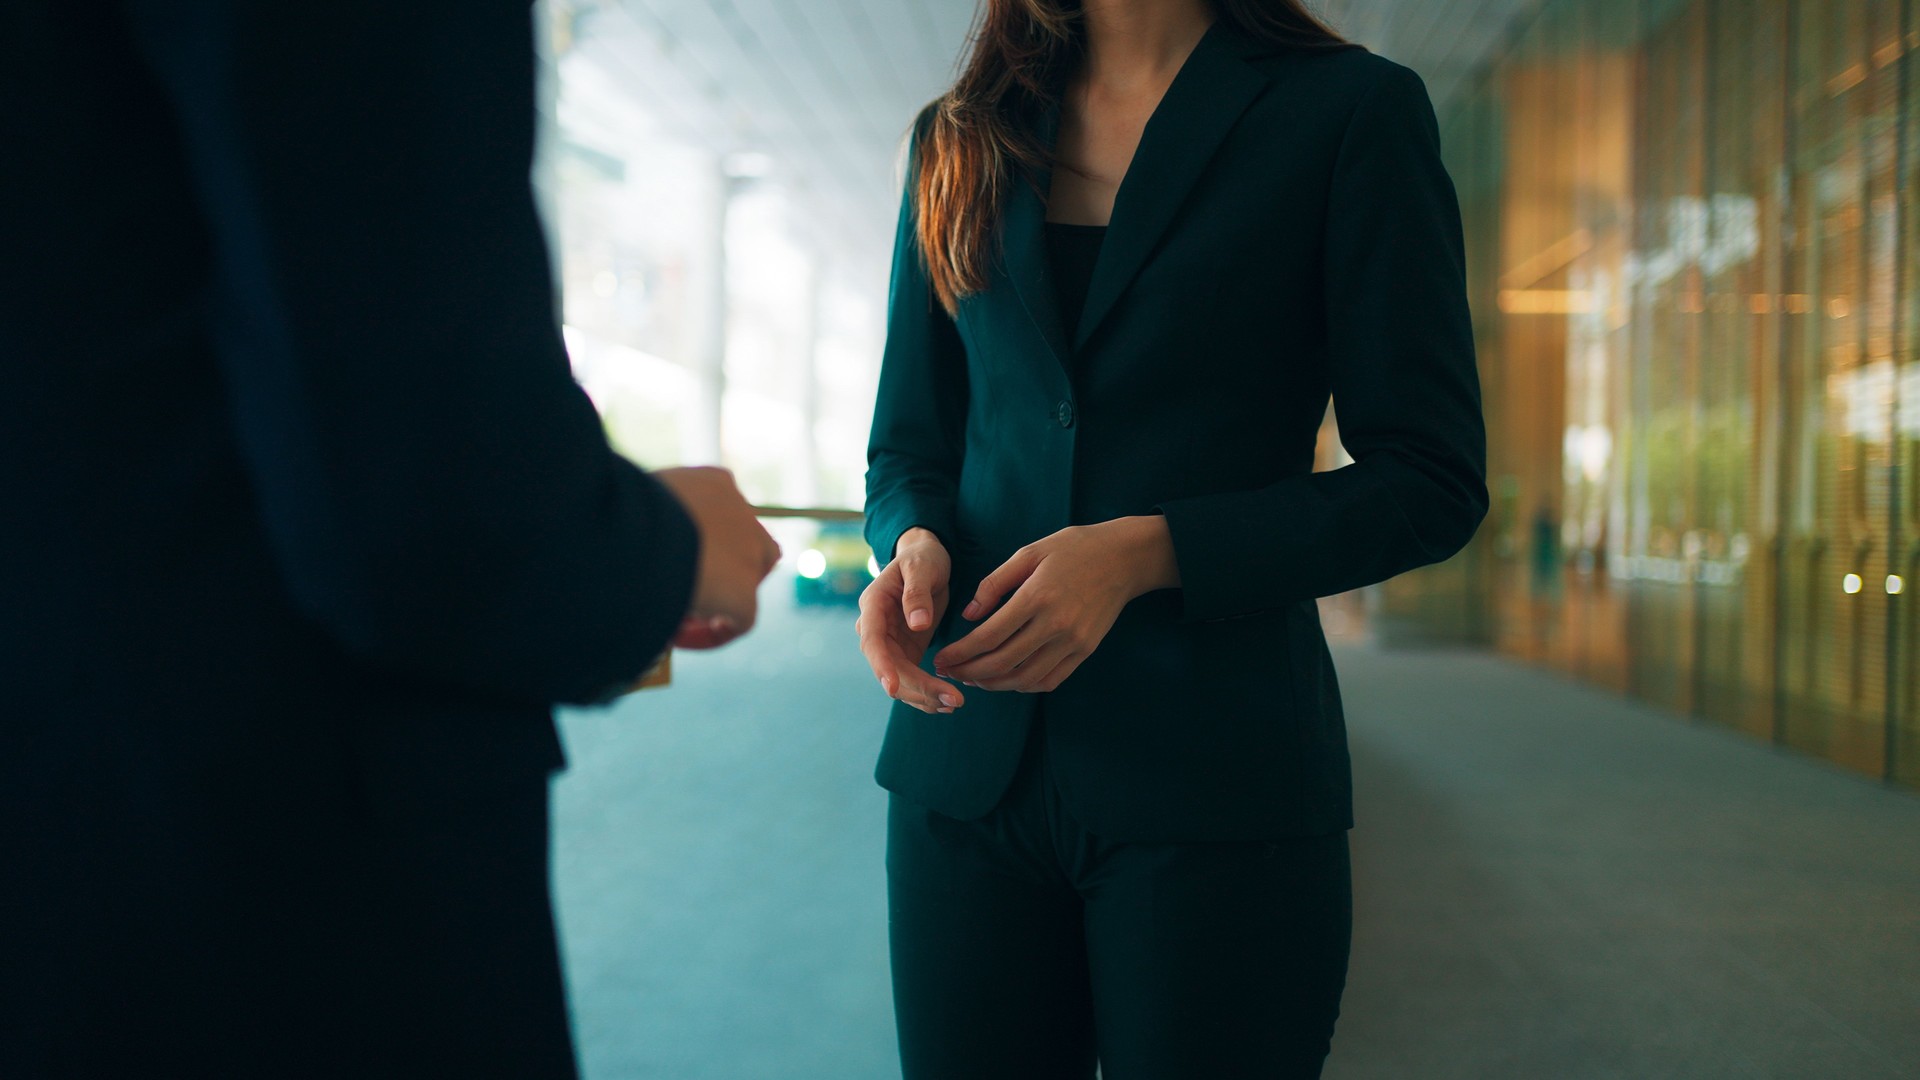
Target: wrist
{"points": [[1149, 553], [915, 537]]}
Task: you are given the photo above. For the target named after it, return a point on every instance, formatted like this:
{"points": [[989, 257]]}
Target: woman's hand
{"points": [[897, 615], [1068, 589]]}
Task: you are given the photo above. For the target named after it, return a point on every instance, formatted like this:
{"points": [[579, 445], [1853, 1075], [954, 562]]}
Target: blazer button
{"points": [[1064, 414]]}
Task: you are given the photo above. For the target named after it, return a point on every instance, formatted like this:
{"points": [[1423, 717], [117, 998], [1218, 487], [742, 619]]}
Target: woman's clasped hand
{"points": [[1040, 614]]}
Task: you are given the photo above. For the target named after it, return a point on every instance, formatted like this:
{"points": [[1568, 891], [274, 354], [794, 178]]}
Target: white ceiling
{"points": [[826, 88]]}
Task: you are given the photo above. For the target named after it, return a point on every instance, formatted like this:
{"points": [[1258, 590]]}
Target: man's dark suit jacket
{"points": [[1285, 231], [304, 526]]}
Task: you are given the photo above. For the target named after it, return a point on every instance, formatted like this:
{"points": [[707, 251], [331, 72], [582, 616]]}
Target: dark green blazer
{"points": [[1286, 231]]}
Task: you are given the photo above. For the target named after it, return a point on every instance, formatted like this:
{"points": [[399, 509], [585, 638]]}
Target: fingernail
{"points": [[972, 612], [918, 620], [720, 624], [949, 701]]}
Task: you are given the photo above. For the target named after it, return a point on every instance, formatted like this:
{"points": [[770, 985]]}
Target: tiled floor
{"points": [[1552, 882]]}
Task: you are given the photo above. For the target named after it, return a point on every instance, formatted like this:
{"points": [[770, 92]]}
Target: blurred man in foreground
{"points": [[304, 527]]}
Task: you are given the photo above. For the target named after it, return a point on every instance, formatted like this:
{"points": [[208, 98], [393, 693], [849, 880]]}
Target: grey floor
{"points": [[1551, 881]]}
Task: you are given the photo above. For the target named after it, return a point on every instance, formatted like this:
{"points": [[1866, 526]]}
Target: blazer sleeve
{"points": [[438, 492], [919, 414], [1402, 372]]}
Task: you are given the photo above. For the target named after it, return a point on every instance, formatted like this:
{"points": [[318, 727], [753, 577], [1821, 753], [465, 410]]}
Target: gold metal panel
{"points": [[1695, 266]]}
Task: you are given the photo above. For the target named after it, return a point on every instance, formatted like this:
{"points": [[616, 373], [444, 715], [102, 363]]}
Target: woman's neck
{"points": [[1133, 43]]}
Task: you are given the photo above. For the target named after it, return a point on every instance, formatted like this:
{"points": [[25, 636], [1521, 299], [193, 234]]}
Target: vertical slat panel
{"points": [[1669, 302], [1738, 369], [1761, 390], [1844, 134], [1599, 341], [1904, 639]]}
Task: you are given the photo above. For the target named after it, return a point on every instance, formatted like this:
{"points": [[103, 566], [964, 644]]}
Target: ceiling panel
{"points": [[827, 88]]}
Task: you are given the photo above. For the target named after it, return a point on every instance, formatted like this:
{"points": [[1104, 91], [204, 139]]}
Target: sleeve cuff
{"points": [[1200, 529], [887, 523]]}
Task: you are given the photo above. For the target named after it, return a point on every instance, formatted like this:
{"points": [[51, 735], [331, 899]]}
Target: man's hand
{"points": [[1068, 589], [736, 555], [897, 615]]}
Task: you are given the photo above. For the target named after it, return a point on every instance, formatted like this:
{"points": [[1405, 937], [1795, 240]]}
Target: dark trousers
{"points": [[475, 980], [1024, 946], [374, 937]]}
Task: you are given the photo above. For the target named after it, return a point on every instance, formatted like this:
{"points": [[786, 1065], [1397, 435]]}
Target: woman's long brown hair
{"points": [[980, 135]]}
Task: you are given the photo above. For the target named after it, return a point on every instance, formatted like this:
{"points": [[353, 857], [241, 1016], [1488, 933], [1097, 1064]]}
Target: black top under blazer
{"points": [[1286, 231]]}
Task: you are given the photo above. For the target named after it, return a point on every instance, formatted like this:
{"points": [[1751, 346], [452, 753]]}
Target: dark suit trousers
{"points": [[473, 974], [1024, 946], [405, 935]]}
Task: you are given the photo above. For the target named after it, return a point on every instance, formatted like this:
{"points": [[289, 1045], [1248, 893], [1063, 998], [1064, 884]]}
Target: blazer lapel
{"points": [[1213, 87], [1024, 246]]}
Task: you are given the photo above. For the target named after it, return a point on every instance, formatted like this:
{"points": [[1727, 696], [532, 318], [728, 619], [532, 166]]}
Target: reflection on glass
{"points": [[1686, 224]]}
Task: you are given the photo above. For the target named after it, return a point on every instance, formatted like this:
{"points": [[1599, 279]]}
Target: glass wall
{"points": [[1905, 616], [1694, 262], [708, 313]]}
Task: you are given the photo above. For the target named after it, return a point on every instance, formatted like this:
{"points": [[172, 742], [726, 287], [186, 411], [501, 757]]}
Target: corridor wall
{"points": [[1695, 271]]}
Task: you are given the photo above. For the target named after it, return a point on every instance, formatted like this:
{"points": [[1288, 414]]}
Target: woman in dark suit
{"points": [[1142, 243]]}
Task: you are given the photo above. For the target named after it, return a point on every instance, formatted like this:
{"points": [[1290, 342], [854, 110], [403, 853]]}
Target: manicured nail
{"points": [[949, 701], [918, 620]]}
